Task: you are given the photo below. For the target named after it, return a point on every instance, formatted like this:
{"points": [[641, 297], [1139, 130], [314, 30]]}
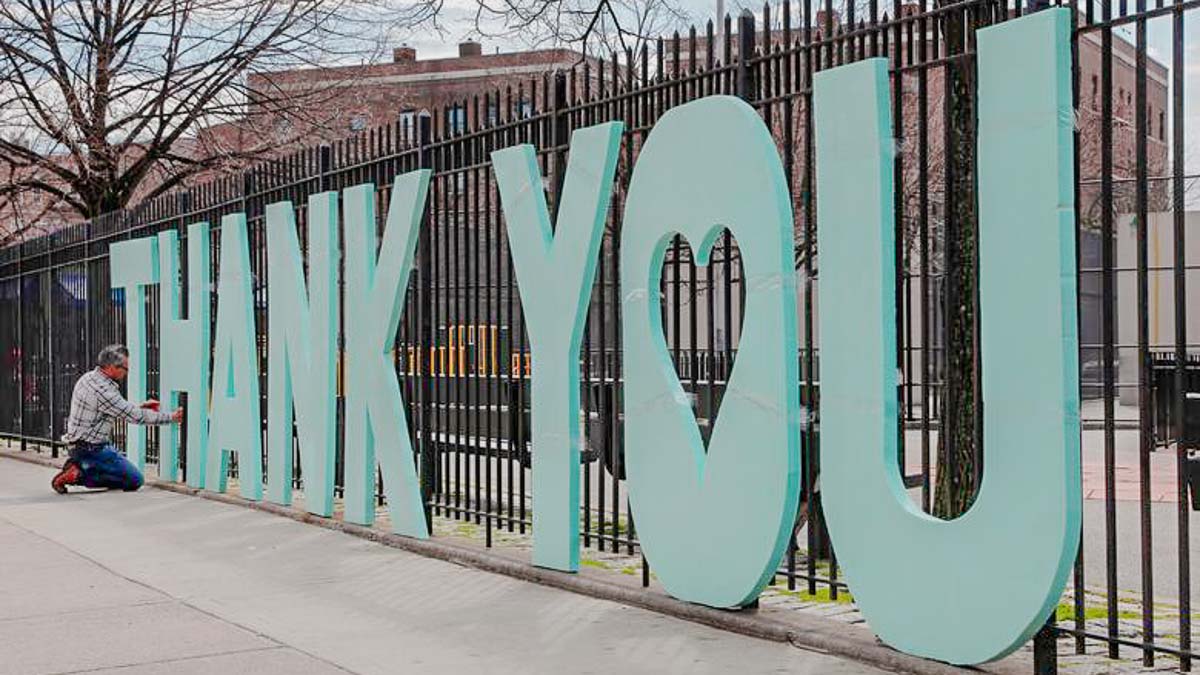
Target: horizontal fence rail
{"points": [[462, 351]]}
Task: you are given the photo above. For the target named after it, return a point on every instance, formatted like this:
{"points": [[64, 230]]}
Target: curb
{"points": [[804, 632]]}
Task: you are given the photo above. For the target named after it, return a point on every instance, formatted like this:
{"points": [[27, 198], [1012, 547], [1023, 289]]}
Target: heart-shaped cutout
{"points": [[702, 311]]}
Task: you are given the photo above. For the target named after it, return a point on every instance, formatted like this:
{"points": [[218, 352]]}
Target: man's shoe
{"points": [[69, 475]]}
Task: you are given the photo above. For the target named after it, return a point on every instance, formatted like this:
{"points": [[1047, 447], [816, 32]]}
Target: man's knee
{"points": [[131, 476]]}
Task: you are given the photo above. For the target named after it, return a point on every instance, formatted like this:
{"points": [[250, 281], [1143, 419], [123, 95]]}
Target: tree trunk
{"points": [[959, 458]]}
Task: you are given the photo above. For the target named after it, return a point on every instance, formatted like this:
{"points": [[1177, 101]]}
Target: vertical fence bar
{"points": [[594, 317], [22, 368], [927, 327], [1109, 326], [492, 313], [87, 291], [789, 158], [509, 286], [746, 86], [1145, 435], [1179, 272], [473, 234], [425, 339], [453, 260], [444, 300], [48, 305], [1078, 577], [900, 261], [811, 56], [1045, 656]]}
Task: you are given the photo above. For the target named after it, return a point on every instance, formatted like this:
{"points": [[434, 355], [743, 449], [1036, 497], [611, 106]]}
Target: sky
{"points": [[457, 23]]}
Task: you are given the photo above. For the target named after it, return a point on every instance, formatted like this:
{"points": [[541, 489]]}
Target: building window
{"points": [[1162, 126], [1095, 83], [493, 114], [408, 125], [456, 119], [358, 123], [525, 108]]}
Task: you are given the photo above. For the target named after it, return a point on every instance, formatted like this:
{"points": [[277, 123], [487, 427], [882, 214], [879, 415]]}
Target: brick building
{"points": [[342, 101]]}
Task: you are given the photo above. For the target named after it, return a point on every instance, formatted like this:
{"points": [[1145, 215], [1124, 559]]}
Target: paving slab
{"points": [[116, 636], [37, 580], [238, 586], [257, 662]]}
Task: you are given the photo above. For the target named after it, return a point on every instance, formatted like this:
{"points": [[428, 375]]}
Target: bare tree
{"points": [[100, 100], [598, 28]]}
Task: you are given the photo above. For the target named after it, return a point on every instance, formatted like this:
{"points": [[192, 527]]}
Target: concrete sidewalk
{"points": [[154, 582]]}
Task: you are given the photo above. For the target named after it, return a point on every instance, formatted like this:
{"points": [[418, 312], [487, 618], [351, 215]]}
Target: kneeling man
{"points": [[95, 403]]}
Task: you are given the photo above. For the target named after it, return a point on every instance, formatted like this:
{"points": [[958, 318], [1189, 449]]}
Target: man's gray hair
{"points": [[112, 355]]}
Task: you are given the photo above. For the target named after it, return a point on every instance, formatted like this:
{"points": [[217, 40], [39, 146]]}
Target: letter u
{"points": [[975, 588]]}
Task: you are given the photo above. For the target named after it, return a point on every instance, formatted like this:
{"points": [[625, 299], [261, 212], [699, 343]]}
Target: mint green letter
{"points": [[235, 424], [302, 348], [183, 351], [133, 266], [374, 408], [976, 588], [555, 268], [713, 526]]}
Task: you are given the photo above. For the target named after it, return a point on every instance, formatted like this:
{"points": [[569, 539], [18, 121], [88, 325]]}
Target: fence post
{"points": [[425, 272], [562, 128], [183, 204], [1045, 644], [87, 289], [324, 182], [747, 86], [247, 189], [21, 343], [1045, 652], [48, 304], [324, 165]]}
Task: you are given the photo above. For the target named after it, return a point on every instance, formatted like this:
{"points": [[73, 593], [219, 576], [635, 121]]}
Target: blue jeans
{"points": [[104, 467]]}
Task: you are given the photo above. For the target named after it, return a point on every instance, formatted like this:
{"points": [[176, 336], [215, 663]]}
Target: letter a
{"points": [[236, 420], [375, 418], [555, 268], [975, 588]]}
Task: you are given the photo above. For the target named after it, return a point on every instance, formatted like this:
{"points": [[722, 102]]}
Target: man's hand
{"points": [[150, 404], [177, 415]]}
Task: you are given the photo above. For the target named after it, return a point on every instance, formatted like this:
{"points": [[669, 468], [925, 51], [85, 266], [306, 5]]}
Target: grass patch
{"points": [[822, 595], [598, 564], [618, 529], [1066, 612]]}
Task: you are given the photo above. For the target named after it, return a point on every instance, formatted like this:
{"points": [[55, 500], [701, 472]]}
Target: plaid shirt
{"points": [[95, 403]]}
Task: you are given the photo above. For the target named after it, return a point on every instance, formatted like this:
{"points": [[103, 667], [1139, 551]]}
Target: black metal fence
{"points": [[462, 351]]}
